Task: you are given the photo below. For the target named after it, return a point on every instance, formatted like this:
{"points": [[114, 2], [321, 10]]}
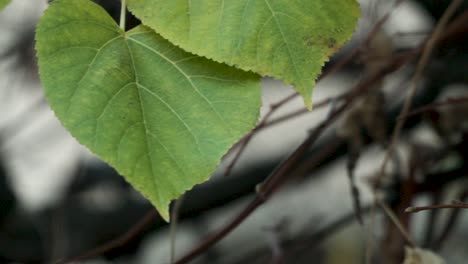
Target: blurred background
{"points": [[58, 201]]}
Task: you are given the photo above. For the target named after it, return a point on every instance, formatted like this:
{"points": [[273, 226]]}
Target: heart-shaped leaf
{"points": [[287, 39], [162, 117]]}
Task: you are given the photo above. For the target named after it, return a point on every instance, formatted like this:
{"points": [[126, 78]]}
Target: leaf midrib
{"points": [[150, 159], [273, 14]]}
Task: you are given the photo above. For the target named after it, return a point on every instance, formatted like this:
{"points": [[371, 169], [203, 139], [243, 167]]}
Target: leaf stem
{"points": [[123, 8]]}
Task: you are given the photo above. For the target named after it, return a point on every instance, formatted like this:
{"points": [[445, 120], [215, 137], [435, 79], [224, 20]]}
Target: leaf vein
{"points": [[87, 70], [142, 109], [168, 106], [293, 62], [213, 78], [77, 21], [119, 145], [105, 108], [237, 47], [187, 77], [178, 166]]}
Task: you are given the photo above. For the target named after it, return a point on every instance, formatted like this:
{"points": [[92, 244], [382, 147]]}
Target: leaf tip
{"points": [[162, 208], [308, 104], [307, 97], [164, 213]]}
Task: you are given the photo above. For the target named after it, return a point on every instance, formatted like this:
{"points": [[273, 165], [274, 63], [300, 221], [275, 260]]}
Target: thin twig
{"points": [[427, 48], [355, 195], [458, 28], [265, 123], [426, 53], [121, 240], [436, 206], [411, 33], [450, 225], [306, 241], [278, 176], [264, 191], [430, 107], [361, 88], [340, 64], [247, 138], [364, 44], [299, 112], [396, 222], [432, 221], [397, 63]]}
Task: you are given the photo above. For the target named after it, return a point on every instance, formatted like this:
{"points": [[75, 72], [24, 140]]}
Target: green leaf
{"points": [[4, 3], [287, 39], [162, 117]]}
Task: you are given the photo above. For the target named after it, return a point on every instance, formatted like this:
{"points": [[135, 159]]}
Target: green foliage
{"points": [[287, 39], [4, 3], [162, 117]]}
